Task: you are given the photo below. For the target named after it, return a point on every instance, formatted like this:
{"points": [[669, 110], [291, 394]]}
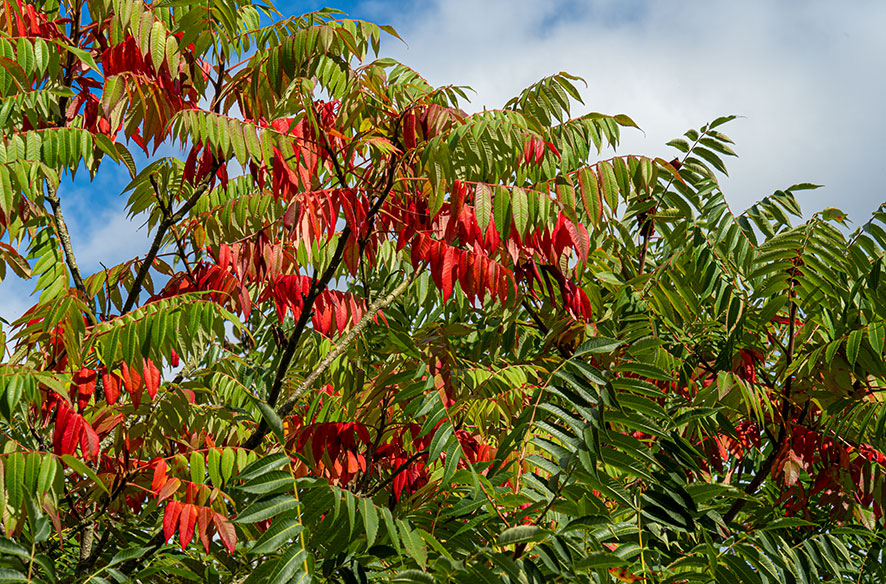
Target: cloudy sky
{"points": [[808, 78]]}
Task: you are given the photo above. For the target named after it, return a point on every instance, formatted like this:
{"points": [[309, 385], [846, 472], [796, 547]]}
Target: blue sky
{"points": [[807, 77]]}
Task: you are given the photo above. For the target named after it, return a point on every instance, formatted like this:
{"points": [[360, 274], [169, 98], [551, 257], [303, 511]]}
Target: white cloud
{"points": [[806, 76], [108, 237]]}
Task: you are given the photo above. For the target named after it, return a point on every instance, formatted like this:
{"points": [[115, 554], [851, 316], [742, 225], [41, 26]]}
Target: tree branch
{"points": [[646, 234], [86, 540], [317, 287], [65, 238], [165, 224], [767, 465]]}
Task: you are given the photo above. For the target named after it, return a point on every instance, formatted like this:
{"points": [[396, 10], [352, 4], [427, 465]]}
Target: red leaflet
{"points": [[458, 193], [151, 378], [191, 164], [409, 130], [450, 264], [106, 421], [85, 382], [170, 487], [204, 165], [225, 531], [70, 430], [204, 525], [186, 522], [171, 519], [131, 379], [111, 385], [160, 478], [89, 442], [746, 367], [580, 239], [222, 175], [67, 430]]}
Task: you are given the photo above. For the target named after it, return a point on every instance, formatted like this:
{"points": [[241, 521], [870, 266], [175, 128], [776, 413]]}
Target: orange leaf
{"points": [[168, 489], [160, 478]]}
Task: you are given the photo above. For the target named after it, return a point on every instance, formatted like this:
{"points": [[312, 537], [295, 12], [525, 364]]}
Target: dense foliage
{"points": [[376, 338]]}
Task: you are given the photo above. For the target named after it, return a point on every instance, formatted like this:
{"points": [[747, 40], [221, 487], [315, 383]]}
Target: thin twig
{"points": [[167, 215]]}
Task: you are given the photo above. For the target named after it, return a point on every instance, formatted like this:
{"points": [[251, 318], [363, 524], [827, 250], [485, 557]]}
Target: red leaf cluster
{"points": [[224, 286], [71, 430], [186, 518], [294, 171], [199, 164], [163, 92], [458, 250], [534, 150], [333, 448], [474, 271], [22, 20], [333, 309]]}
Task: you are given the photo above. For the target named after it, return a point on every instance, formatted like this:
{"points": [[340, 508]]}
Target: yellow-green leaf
{"points": [[608, 183], [483, 206], [520, 210]]}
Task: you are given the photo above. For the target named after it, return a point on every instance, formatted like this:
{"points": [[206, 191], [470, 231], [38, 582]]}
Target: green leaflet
{"points": [[520, 210], [502, 210], [284, 528], [520, 534], [483, 206], [370, 520], [267, 509], [608, 184]]}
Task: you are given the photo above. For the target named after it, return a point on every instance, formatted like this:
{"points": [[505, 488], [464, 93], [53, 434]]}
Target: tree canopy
{"points": [[377, 338]]}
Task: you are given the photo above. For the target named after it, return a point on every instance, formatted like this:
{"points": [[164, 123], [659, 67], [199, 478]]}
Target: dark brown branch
{"points": [[317, 286], [217, 85], [646, 234], [535, 318], [65, 238], [539, 323], [164, 226], [767, 465]]}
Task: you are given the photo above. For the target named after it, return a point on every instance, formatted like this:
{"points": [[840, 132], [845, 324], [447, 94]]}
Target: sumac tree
{"points": [[378, 338]]}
